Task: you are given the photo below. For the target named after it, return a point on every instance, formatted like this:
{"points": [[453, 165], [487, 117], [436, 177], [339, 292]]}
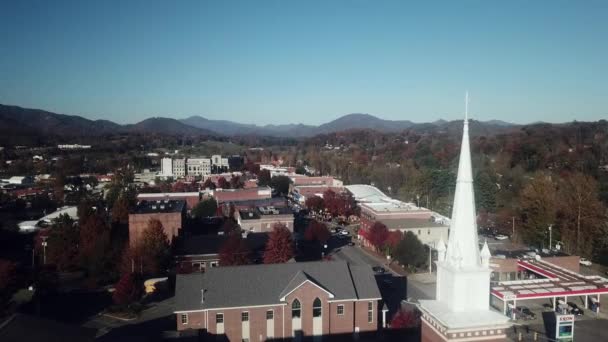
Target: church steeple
{"points": [[462, 250]]}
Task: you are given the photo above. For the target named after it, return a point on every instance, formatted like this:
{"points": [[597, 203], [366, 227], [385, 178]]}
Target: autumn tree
{"points": [[120, 211], [205, 208], [236, 182], [208, 184], [582, 214], [538, 208], [8, 278], [404, 319], [234, 251], [62, 243], [393, 239], [230, 226], [317, 231], [339, 204], [154, 248], [222, 183], [279, 248], [410, 251], [94, 244], [315, 203], [127, 290], [377, 235]]}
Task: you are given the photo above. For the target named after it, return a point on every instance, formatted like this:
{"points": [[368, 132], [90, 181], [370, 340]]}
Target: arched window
{"points": [[296, 309], [316, 308]]}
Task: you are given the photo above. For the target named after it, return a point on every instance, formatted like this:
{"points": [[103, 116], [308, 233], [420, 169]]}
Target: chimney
{"points": [[202, 296]]}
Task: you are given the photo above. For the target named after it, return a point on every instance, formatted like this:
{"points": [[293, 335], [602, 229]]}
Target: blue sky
{"points": [[307, 61]]}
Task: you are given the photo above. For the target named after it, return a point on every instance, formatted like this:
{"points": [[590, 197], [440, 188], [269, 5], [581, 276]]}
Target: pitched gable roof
{"points": [[300, 278], [253, 285]]}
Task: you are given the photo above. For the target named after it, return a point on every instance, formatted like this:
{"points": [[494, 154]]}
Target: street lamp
{"points": [[44, 244]]}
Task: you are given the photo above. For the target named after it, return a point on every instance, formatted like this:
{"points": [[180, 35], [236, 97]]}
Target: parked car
{"points": [[501, 237], [344, 232], [525, 313], [378, 269], [575, 310], [585, 262]]}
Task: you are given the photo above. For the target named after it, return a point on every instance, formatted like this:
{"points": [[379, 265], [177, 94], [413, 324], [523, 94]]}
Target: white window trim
{"points": [[248, 318], [372, 312], [219, 313], [272, 310], [182, 316], [338, 309]]}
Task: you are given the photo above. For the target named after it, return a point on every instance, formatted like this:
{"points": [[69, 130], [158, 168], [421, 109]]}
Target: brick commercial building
{"points": [[191, 198], [233, 195], [262, 219], [279, 301], [201, 252], [170, 213]]}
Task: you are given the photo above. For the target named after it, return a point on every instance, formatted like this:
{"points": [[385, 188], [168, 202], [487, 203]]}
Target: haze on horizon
{"points": [[277, 62]]}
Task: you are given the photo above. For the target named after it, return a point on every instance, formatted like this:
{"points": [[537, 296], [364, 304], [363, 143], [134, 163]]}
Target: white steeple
{"points": [[462, 302], [462, 243], [441, 249]]}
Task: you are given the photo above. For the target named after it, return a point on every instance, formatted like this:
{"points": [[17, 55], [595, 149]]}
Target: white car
{"points": [[344, 232], [585, 262], [501, 237]]}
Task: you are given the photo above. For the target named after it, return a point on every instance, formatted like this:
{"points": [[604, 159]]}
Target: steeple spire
{"points": [[462, 243]]}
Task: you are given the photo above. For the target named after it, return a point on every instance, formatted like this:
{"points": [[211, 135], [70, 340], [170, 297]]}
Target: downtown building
{"points": [[279, 301]]}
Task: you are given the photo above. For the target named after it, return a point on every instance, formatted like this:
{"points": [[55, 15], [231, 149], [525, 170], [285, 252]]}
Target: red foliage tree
{"points": [[234, 251], [315, 203], [377, 235], [339, 204], [317, 231], [222, 183], [404, 319], [393, 239], [279, 248], [127, 290], [208, 184], [8, 275], [236, 182]]}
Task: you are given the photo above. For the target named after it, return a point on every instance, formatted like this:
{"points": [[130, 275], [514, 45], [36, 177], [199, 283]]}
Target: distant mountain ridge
{"points": [[24, 121]]}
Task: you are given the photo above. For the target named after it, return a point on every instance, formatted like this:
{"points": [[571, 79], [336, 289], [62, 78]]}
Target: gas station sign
{"points": [[564, 327]]}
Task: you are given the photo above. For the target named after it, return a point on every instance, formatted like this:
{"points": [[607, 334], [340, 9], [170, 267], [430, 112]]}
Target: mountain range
{"points": [[24, 121]]}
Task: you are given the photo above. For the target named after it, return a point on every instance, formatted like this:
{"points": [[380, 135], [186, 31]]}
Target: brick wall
{"points": [[361, 316], [306, 294]]}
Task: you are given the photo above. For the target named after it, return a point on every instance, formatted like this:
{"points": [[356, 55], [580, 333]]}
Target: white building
{"points": [[166, 167], [179, 167], [198, 166], [461, 309]]}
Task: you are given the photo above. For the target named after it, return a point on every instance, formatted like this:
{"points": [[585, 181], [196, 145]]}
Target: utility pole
{"points": [[550, 235], [513, 234]]}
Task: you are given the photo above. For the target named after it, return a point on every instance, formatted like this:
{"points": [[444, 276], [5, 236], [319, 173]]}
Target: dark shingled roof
{"points": [[211, 244], [265, 284]]}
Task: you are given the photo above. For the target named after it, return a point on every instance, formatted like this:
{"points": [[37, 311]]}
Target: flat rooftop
{"points": [[159, 206], [553, 281], [261, 212]]}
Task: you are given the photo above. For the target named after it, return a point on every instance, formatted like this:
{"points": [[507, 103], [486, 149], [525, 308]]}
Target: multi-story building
{"points": [[236, 163], [166, 167], [191, 198], [198, 166], [179, 167], [279, 301], [170, 213], [234, 195], [262, 219]]}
